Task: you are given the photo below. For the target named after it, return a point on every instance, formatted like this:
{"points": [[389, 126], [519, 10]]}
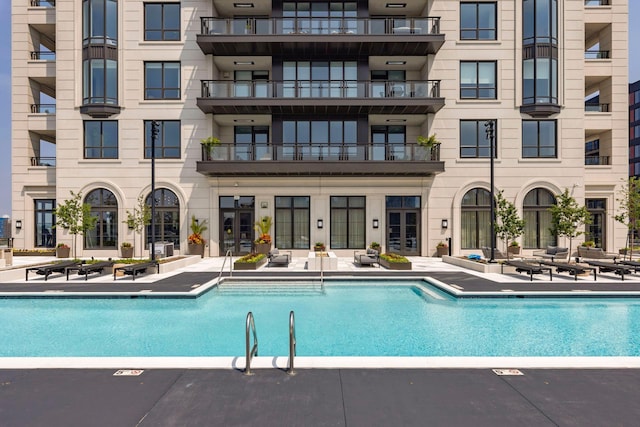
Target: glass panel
{"points": [[112, 20]]}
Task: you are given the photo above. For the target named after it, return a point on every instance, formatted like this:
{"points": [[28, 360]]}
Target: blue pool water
{"points": [[344, 320]]}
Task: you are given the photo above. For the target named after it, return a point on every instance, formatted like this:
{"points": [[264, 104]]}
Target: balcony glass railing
{"points": [[596, 160], [43, 108], [320, 26], [43, 55], [43, 3], [320, 89], [596, 2], [43, 161], [596, 54], [596, 108], [322, 152]]}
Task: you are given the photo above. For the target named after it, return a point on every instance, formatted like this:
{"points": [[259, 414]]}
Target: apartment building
{"points": [[318, 106], [634, 129]]}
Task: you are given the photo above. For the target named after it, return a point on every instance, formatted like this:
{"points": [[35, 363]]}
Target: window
{"points": [[251, 143], [167, 219], [292, 225], [319, 138], [104, 206], [478, 21], [167, 141], [347, 222], [100, 22], [161, 80], [327, 17], [45, 218], [535, 209], [162, 21], [478, 80], [388, 142], [476, 219], [473, 139], [539, 139], [540, 81], [100, 81], [320, 79], [100, 139]]}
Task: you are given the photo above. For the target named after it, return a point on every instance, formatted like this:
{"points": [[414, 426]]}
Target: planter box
{"points": [[249, 265], [472, 265], [62, 252], [196, 249], [395, 265], [514, 250], [262, 248], [442, 250], [127, 252], [51, 252]]}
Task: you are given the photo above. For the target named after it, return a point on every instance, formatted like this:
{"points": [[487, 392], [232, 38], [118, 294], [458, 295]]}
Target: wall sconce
{"points": [[264, 205], [18, 224], [376, 223], [320, 223], [445, 224]]}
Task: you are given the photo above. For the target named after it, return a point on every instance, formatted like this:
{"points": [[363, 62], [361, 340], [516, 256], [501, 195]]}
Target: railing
{"points": [[596, 54], [7, 242], [229, 255], [596, 160], [320, 89], [320, 26], [250, 351], [597, 108], [292, 342], [43, 3], [43, 108], [43, 55], [322, 152], [43, 161], [596, 2]]}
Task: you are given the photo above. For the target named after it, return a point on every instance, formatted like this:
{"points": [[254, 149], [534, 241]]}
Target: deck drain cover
{"points": [[503, 372], [128, 372]]}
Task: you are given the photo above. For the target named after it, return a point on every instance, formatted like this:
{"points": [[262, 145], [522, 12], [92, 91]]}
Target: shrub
{"points": [[394, 258], [251, 258]]}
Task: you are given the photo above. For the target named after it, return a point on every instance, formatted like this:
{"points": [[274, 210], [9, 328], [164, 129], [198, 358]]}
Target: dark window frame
{"points": [[165, 33], [102, 147], [162, 88], [477, 89], [100, 208], [538, 209], [44, 237], [470, 205], [349, 209], [477, 147], [477, 29], [163, 196], [539, 147], [291, 210], [162, 148]]}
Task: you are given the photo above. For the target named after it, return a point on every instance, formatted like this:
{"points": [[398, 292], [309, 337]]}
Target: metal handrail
{"points": [[292, 342], [226, 255], [250, 351]]}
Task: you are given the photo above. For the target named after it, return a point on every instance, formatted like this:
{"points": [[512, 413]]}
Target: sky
{"points": [[5, 90]]}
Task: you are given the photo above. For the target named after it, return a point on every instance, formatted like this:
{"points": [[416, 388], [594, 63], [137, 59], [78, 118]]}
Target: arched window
{"points": [[104, 206], [536, 212], [167, 217], [476, 219]]}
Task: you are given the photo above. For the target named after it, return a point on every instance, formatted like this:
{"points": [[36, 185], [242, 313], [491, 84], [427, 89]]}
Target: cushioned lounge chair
{"points": [[573, 269], [368, 257], [277, 257], [46, 270], [86, 269], [610, 267], [595, 253], [553, 253], [525, 267]]}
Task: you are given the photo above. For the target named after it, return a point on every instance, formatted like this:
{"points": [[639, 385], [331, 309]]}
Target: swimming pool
{"points": [[341, 319]]}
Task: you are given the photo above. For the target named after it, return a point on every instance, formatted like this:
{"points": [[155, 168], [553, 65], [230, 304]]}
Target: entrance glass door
{"points": [[236, 225], [403, 225]]}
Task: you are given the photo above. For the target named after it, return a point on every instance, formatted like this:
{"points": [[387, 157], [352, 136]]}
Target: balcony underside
{"points": [[347, 106], [335, 46], [320, 168]]}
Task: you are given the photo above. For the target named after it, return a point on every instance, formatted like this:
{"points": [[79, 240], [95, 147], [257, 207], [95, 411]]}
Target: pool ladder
{"points": [[229, 255], [253, 350]]}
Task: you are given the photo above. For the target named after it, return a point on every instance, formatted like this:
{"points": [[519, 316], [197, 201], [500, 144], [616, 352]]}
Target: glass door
{"points": [[403, 225], [236, 225]]}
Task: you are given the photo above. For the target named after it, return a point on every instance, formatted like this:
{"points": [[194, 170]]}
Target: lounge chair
{"points": [[497, 253], [606, 267], [525, 267], [134, 269], [46, 270], [631, 264], [595, 253], [369, 257], [86, 269], [553, 253], [572, 269], [276, 257]]}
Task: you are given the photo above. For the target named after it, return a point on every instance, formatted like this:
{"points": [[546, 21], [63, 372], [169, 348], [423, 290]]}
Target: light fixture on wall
{"points": [[18, 224], [445, 224], [320, 223], [376, 223]]}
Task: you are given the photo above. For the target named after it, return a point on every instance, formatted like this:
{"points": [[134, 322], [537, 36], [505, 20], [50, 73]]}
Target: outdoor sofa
{"points": [[368, 257]]}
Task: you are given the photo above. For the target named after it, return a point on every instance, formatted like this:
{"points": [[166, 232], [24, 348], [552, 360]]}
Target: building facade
{"points": [[634, 129], [318, 107]]}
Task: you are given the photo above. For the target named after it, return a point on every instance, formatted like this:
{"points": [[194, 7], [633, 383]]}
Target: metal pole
{"points": [[154, 136], [489, 125]]}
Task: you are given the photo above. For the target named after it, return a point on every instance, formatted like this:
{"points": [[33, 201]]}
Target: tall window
{"points": [[100, 139], [161, 80], [473, 139], [162, 21], [388, 142], [45, 218], [347, 222], [320, 79], [328, 17], [292, 225], [535, 208], [100, 22], [251, 143], [478, 21], [539, 139], [478, 80], [167, 219], [476, 219], [104, 206], [100, 83], [319, 138], [167, 141]]}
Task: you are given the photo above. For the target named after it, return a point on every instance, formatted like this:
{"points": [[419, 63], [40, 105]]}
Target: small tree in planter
{"points": [[509, 226], [567, 217], [209, 145], [137, 220], [442, 249], [263, 242], [126, 249], [629, 198], [429, 144], [196, 241], [75, 216]]}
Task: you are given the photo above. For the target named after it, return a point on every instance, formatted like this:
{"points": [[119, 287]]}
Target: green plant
{"points": [[442, 245], [394, 258], [138, 219], [375, 245], [319, 246], [509, 225], [263, 227], [429, 143], [126, 245], [197, 228], [250, 258], [62, 246], [589, 244], [209, 144], [75, 216], [515, 244], [629, 198], [567, 217]]}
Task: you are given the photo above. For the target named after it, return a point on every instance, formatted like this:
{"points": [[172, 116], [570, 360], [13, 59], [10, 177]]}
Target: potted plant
{"points": [[62, 250], [209, 145], [429, 144], [375, 246], [442, 249], [393, 261], [263, 242], [126, 249], [196, 241], [319, 247], [514, 248], [251, 261]]}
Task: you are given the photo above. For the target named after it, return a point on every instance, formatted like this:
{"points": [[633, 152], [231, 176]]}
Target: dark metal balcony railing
{"points": [[596, 54], [597, 108], [43, 108], [322, 152], [43, 161], [43, 3], [596, 2], [596, 160], [43, 55], [320, 89], [319, 26]]}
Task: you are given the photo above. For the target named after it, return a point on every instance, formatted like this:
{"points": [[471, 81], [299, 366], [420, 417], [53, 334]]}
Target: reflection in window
{"points": [[478, 80], [162, 21], [167, 141], [251, 143], [537, 217], [161, 80], [45, 218], [476, 219], [104, 207], [320, 79], [292, 225], [473, 139], [539, 139], [167, 219], [388, 142], [100, 82], [100, 139], [478, 21], [347, 222], [100, 22]]}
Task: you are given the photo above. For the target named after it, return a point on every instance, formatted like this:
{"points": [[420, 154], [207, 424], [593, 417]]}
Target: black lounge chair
{"points": [[572, 269], [46, 270], [525, 267], [279, 258], [607, 267], [631, 264], [134, 269], [86, 269]]}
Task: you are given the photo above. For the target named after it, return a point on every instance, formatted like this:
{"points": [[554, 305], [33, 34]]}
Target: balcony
{"points": [[596, 54], [596, 108], [320, 97], [596, 160], [347, 37], [321, 160], [43, 161], [43, 108], [596, 2]]}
